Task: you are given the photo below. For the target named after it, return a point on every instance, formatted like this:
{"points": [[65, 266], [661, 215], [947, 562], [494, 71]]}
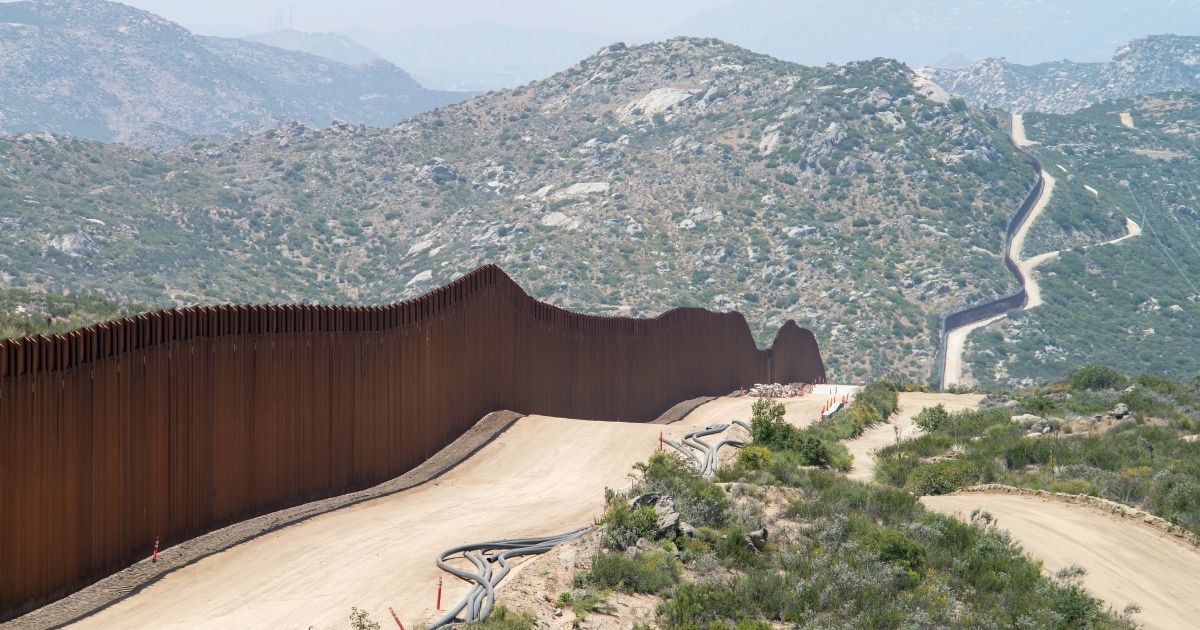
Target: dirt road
{"points": [[879, 436], [541, 476], [1126, 562], [1018, 131], [956, 341]]}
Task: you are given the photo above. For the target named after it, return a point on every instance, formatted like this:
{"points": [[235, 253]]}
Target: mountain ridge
{"points": [[681, 172], [106, 71], [1147, 65]]}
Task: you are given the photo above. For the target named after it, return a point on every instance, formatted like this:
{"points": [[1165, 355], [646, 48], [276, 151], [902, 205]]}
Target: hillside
{"points": [[106, 71], [683, 172], [328, 45], [1161, 63], [1133, 305]]}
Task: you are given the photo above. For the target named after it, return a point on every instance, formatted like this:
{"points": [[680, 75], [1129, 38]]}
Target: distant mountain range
{"points": [[929, 32], [1162, 63], [333, 46], [479, 56], [107, 71]]}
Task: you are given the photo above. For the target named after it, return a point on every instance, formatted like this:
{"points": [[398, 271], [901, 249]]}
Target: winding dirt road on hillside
{"points": [[542, 476], [956, 339], [864, 446], [1016, 246], [1125, 561]]}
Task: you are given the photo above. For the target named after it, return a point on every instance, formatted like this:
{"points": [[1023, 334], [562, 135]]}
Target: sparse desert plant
{"points": [[644, 572], [360, 620]]}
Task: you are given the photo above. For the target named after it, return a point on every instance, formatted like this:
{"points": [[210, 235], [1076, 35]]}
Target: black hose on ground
{"points": [[482, 598], [479, 602]]}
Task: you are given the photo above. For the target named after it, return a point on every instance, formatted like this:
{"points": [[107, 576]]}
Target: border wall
{"points": [[175, 423]]}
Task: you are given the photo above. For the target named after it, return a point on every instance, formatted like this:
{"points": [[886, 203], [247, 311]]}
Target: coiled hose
{"points": [[480, 601], [706, 460], [482, 598]]}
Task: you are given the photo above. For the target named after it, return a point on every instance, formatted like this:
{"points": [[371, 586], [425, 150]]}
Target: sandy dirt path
{"points": [[864, 446], [1126, 562], [801, 411], [1132, 229], [541, 476], [1126, 119], [1018, 132], [1017, 245], [956, 341], [1028, 265]]}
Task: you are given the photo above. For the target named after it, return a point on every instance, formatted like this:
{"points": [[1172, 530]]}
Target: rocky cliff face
{"points": [[682, 172], [106, 71], [1144, 66]]}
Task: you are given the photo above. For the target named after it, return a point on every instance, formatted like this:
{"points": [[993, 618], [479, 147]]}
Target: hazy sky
{"points": [[639, 18]]}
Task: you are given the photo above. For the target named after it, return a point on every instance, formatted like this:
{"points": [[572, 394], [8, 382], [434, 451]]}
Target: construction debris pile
{"points": [[775, 390]]}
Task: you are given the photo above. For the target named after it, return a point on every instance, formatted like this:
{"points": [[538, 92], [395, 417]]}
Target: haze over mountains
{"points": [[333, 46], [449, 50], [106, 71], [927, 32]]}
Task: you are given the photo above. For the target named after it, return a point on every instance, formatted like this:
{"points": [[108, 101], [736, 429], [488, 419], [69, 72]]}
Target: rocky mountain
{"points": [[927, 32], [333, 46], [1133, 303], [682, 172], [106, 71], [1159, 63]]}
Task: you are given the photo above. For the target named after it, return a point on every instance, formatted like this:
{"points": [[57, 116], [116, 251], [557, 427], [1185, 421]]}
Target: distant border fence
{"points": [[1017, 300], [175, 423]]}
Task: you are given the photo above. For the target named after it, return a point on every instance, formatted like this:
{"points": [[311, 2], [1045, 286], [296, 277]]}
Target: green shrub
{"points": [[624, 526], [1096, 377], [646, 572], [502, 618], [696, 604], [754, 457], [893, 546], [942, 477], [932, 418], [360, 620], [697, 499]]}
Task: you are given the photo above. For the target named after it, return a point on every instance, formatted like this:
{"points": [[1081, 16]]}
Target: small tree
{"points": [[932, 418], [766, 422]]}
